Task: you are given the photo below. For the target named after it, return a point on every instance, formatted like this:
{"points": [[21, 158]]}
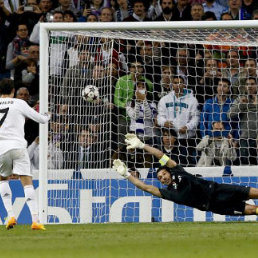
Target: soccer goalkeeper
{"points": [[184, 188]]}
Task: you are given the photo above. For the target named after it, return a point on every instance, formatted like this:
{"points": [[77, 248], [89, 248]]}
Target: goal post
{"points": [[74, 55]]}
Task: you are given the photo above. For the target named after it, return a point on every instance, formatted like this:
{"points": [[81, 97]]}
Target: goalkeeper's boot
{"points": [[37, 226], [10, 223]]}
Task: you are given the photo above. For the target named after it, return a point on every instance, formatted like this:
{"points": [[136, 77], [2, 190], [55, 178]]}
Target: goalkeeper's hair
{"points": [[163, 167], [6, 86]]}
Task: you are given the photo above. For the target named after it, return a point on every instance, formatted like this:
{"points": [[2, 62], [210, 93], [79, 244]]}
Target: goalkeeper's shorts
{"points": [[15, 161], [229, 199]]}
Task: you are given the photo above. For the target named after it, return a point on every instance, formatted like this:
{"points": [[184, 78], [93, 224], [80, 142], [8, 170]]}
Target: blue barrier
{"points": [[99, 201]]}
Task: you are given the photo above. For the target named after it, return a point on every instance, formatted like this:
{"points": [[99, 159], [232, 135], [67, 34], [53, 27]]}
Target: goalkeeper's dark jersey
{"points": [[188, 189]]}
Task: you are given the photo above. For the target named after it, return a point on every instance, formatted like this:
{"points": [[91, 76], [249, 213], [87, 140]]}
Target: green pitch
{"points": [[132, 240]]}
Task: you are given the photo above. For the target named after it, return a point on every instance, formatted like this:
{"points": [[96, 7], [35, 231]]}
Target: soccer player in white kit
{"points": [[14, 158]]}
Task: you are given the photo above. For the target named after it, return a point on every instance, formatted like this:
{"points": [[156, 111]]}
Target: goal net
{"points": [[189, 89]]}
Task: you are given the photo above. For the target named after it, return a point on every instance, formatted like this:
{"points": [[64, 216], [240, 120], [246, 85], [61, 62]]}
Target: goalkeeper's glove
{"points": [[121, 168], [133, 142]]}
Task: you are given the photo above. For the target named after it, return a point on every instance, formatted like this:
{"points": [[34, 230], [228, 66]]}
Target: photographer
{"points": [[28, 14], [217, 149]]}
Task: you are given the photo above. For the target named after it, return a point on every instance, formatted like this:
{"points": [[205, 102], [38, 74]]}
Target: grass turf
{"points": [[238, 239]]}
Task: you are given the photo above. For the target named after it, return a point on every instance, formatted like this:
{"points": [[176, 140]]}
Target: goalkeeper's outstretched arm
{"points": [[133, 142], [121, 169]]}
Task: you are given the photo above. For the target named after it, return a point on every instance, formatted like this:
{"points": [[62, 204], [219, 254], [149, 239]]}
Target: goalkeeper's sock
{"points": [[30, 197], [6, 195]]}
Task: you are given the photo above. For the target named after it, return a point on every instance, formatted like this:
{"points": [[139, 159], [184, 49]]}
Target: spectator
{"points": [[94, 7], [61, 136], [31, 128], [18, 48], [197, 12], [209, 16], [151, 62], [33, 56], [183, 10], [142, 112], [234, 8], [139, 12], [106, 53], [23, 93], [4, 39], [247, 8], [28, 14], [216, 148], [232, 72], [106, 14], [65, 5], [255, 15], [169, 146], [71, 57], [112, 70], [92, 18], [124, 10], [207, 84], [57, 16], [168, 11], [87, 16], [85, 150], [165, 86], [215, 109], [185, 66], [45, 6], [154, 10], [124, 92], [226, 17], [77, 77], [4, 12], [55, 157], [30, 78], [69, 16], [57, 50], [246, 109], [250, 70], [223, 2], [215, 7], [191, 2], [179, 110], [11, 6]]}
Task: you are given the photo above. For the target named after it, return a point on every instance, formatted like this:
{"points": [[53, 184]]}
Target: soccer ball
{"points": [[90, 93]]}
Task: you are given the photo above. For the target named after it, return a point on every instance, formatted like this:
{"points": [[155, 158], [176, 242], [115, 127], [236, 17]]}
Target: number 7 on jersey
{"points": [[3, 115]]}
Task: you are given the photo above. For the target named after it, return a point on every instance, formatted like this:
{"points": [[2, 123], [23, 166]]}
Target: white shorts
{"points": [[15, 161]]}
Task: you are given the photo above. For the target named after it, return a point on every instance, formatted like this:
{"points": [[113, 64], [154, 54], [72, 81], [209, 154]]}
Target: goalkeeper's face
{"points": [[164, 177]]}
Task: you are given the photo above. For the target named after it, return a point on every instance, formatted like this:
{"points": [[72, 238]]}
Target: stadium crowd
{"points": [[198, 103]]}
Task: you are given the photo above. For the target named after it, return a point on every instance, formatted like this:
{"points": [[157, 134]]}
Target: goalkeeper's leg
{"points": [[31, 201]]}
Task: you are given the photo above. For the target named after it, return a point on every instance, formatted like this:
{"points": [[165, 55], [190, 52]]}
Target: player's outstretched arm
{"points": [[122, 170], [134, 142]]}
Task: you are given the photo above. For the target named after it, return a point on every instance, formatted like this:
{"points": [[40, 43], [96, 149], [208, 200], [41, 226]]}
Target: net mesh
{"points": [[164, 85]]}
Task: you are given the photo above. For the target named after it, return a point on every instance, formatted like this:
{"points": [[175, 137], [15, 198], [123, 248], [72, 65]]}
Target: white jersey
{"points": [[12, 118]]}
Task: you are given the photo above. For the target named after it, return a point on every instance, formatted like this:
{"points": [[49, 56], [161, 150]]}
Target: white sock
{"points": [[6, 195], [31, 201]]}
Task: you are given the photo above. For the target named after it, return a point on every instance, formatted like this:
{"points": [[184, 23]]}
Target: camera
{"points": [[28, 8]]}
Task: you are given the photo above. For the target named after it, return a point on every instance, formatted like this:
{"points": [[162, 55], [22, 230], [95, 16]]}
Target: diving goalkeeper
{"points": [[184, 188]]}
